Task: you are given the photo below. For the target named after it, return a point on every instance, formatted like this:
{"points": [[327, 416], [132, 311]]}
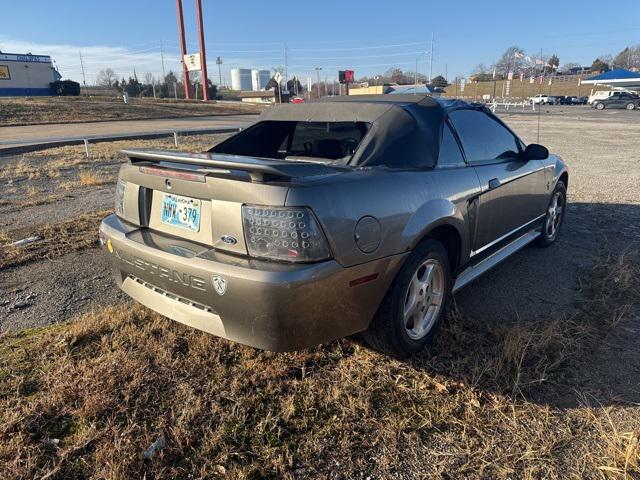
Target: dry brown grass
{"points": [[89, 179], [57, 239], [30, 111], [85, 399]]}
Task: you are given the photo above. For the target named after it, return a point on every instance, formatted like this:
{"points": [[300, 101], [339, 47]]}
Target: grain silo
{"points": [[241, 79], [260, 78]]}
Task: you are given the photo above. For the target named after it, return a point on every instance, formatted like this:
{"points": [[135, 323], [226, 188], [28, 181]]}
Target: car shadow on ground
{"points": [[556, 325]]}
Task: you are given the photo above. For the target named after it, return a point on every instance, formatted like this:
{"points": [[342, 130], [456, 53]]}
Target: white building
{"points": [[26, 75], [241, 79], [259, 79]]}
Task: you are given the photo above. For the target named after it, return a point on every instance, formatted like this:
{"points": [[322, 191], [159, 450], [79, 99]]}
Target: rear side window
{"points": [[450, 154], [483, 138]]}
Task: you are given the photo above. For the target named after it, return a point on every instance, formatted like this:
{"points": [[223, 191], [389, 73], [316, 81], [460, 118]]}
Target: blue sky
{"points": [[369, 37]]}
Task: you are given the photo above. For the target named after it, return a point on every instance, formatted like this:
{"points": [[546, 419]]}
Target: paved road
{"points": [[30, 134]]}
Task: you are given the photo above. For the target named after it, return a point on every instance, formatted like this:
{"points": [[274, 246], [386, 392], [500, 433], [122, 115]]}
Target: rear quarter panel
{"points": [[407, 205]]}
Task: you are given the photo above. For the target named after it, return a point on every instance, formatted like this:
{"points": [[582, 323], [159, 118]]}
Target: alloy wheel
{"points": [[423, 299], [554, 215]]}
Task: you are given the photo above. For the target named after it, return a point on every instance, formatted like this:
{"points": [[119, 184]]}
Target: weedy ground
{"points": [[41, 110], [86, 398]]}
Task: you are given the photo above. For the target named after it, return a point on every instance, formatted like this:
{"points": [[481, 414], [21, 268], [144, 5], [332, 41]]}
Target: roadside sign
{"points": [[463, 82], [278, 77], [192, 62], [507, 88]]}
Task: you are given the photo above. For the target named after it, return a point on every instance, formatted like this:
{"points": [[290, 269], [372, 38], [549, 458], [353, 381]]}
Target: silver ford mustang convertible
{"points": [[330, 218]]}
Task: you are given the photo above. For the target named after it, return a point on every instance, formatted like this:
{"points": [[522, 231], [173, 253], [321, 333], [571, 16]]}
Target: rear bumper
{"points": [[267, 305]]}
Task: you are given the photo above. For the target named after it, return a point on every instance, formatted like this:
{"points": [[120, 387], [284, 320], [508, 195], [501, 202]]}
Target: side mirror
{"points": [[536, 152]]}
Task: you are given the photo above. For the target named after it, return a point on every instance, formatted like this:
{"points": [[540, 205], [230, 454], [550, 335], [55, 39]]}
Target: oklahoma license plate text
{"points": [[182, 212]]}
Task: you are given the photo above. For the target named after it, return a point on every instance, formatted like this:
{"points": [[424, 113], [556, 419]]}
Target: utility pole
{"points": [[219, 62], [415, 78], [203, 55], [286, 64], [446, 72], [183, 49], [317, 69], [431, 60], [162, 59], [84, 79]]}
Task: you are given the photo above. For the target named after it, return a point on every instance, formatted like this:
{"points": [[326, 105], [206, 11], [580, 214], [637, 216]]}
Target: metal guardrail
{"points": [[28, 146]]}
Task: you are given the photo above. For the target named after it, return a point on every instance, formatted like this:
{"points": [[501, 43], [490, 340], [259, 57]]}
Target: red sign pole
{"points": [[203, 56], [183, 49]]}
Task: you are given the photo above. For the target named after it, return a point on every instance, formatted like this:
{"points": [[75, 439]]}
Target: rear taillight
{"points": [[289, 234], [119, 197]]}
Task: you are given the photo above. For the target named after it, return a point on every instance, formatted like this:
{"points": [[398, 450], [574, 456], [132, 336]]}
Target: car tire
{"points": [[554, 217], [415, 304], [599, 106], [631, 106]]}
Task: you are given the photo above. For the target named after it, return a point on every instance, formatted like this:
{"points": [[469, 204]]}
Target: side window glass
{"points": [[483, 138], [450, 154]]}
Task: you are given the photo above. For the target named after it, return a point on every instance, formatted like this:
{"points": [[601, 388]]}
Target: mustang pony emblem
{"points": [[219, 284]]}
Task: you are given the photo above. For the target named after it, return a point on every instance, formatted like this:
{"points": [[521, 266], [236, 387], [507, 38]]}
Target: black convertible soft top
{"points": [[405, 129]]}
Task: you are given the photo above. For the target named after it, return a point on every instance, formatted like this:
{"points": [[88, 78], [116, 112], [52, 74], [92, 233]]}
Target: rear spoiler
{"points": [[260, 170]]}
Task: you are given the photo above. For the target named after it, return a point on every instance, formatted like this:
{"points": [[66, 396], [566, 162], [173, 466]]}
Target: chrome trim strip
{"points": [[491, 261], [498, 240]]}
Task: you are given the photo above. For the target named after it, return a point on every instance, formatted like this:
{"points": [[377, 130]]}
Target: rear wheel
{"points": [[554, 217], [599, 106], [631, 106], [415, 304]]}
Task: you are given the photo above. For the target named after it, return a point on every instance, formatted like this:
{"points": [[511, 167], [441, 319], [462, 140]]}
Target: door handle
{"points": [[494, 183]]}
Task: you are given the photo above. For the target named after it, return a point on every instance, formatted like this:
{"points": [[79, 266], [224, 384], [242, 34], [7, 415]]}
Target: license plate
{"points": [[182, 212]]}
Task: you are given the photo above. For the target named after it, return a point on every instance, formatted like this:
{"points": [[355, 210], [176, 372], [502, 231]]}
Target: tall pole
{"points": [[203, 55], [318, 75], [431, 60], [219, 62], [286, 65], [162, 60], [183, 49], [415, 78], [84, 79]]}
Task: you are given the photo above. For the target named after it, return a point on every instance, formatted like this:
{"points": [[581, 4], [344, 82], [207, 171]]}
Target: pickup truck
{"points": [[330, 218], [540, 100]]}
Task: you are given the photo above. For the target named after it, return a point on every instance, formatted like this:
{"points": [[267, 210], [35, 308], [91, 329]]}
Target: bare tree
{"points": [[148, 78], [106, 78]]}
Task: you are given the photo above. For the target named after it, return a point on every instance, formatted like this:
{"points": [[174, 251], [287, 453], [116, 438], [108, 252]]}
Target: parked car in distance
{"points": [[330, 218], [297, 100], [600, 95], [579, 100], [566, 100], [618, 100], [539, 99]]}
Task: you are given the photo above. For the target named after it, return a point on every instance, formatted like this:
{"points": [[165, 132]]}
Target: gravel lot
{"points": [[601, 149]]}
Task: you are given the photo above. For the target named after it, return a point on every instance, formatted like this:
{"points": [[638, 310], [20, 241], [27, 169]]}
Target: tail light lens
{"points": [[290, 234], [119, 197]]}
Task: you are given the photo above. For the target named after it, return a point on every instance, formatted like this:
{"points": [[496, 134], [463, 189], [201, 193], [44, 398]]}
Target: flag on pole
{"points": [[510, 75], [518, 55], [494, 73], [531, 80], [521, 77]]}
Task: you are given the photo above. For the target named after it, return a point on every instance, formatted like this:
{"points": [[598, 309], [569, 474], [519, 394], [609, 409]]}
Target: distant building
{"points": [[26, 75], [259, 79], [241, 79]]}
